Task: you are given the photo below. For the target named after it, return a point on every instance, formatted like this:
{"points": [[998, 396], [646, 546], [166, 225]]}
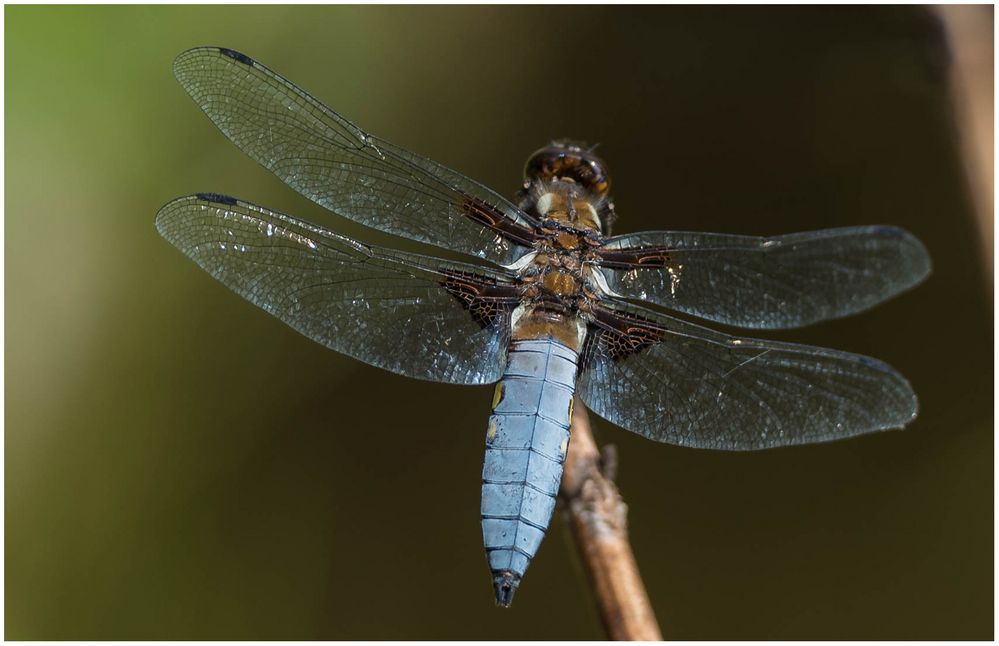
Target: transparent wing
{"points": [[782, 282], [414, 315], [336, 164], [675, 382]]}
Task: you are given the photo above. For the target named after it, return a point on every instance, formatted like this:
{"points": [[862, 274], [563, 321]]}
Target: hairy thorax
{"points": [[559, 277]]}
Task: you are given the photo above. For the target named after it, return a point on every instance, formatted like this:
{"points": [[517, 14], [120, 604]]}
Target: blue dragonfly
{"points": [[553, 307]]}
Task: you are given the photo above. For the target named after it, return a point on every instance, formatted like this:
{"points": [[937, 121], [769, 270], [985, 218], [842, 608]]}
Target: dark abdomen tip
{"points": [[506, 584]]}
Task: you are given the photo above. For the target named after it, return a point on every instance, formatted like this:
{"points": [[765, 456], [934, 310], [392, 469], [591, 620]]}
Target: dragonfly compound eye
{"points": [[569, 160]]}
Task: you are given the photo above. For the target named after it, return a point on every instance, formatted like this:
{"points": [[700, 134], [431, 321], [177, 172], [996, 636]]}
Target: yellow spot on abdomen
{"points": [[497, 395], [570, 412], [491, 431]]}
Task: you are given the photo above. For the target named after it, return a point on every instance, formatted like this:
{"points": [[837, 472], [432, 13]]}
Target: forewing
{"points": [[675, 382], [414, 315], [336, 164], [782, 282]]}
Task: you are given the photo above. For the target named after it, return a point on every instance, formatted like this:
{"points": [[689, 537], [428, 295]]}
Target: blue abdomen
{"points": [[526, 444]]}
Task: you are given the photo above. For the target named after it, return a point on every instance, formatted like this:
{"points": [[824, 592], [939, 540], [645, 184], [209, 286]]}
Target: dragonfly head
{"points": [[573, 160], [572, 165]]}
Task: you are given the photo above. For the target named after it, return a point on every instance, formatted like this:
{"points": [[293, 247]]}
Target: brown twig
{"points": [[597, 517], [970, 38]]}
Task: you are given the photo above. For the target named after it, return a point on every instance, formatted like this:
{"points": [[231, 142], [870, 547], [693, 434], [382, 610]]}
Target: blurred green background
{"points": [[180, 465]]}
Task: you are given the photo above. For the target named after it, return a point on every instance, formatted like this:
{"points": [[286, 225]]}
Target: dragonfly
{"points": [[548, 305]]}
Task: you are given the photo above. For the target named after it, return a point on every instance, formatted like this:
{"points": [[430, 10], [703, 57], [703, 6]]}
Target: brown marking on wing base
{"points": [[488, 216], [485, 299], [620, 335], [647, 258]]}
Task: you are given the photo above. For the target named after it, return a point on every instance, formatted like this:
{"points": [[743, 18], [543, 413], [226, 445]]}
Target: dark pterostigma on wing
{"points": [[331, 161], [399, 311], [680, 383], [784, 281]]}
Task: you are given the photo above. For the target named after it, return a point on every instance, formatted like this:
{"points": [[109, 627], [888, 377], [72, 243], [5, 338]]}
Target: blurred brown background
{"points": [[180, 465]]}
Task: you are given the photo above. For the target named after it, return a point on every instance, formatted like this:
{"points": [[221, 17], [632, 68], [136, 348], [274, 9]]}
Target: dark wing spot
{"points": [[217, 197], [231, 53]]}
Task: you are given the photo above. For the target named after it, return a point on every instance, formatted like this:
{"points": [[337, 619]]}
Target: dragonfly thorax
{"points": [[556, 291], [563, 205]]}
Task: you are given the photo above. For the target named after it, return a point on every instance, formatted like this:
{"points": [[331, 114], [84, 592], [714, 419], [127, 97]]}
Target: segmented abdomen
{"points": [[526, 444]]}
